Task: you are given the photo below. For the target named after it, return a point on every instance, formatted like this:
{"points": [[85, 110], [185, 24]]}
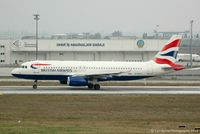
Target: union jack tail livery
{"points": [[168, 54]]}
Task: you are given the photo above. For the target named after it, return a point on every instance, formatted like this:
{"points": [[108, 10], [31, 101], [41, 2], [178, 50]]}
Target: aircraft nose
{"points": [[14, 72]]}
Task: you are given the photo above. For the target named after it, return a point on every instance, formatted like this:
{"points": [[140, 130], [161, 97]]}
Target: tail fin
{"points": [[168, 54]]}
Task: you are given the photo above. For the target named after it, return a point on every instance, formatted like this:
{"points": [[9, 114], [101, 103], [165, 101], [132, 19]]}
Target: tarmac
{"points": [[105, 90]]}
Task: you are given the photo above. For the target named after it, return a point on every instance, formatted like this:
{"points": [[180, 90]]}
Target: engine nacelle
{"points": [[77, 81]]}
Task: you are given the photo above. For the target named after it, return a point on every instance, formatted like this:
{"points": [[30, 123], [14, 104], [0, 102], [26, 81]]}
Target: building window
{"points": [[2, 54], [2, 60], [2, 46]]}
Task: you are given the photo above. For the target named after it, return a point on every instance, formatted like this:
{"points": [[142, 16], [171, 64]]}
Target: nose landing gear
{"points": [[35, 84]]}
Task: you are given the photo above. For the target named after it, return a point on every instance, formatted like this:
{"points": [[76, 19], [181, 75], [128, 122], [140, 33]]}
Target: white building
{"points": [[16, 52], [19, 51], [5, 51]]}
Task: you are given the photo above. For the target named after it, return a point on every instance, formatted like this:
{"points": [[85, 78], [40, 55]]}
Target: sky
{"points": [[104, 16]]}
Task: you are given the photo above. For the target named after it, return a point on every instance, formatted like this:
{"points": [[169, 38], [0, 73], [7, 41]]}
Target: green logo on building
{"points": [[140, 43]]}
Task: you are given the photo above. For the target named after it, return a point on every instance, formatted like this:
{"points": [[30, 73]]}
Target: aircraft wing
{"points": [[99, 75]]}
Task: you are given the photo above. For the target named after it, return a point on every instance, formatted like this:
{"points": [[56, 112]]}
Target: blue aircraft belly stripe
{"points": [[41, 77], [64, 77]]}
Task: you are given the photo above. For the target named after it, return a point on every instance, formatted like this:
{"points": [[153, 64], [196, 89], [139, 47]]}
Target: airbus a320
{"points": [[90, 73]]}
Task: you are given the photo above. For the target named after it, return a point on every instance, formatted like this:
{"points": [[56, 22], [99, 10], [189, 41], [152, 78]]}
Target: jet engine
{"points": [[75, 81]]}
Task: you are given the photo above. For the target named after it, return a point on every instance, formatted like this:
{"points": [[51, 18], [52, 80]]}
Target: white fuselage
{"points": [[49, 69]]}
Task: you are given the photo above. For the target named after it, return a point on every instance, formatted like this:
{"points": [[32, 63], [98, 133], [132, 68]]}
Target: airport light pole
{"points": [[36, 19], [191, 36], [157, 26]]}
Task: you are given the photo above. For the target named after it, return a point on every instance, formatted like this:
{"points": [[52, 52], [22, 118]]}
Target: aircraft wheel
{"points": [[34, 86], [90, 85], [97, 87]]}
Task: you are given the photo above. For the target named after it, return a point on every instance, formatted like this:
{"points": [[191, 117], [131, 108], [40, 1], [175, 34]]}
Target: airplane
{"points": [[90, 73], [184, 57]]}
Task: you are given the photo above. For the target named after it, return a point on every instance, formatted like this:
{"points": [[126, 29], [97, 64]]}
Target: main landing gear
{"points": [[35, 84], [94, 86]]}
